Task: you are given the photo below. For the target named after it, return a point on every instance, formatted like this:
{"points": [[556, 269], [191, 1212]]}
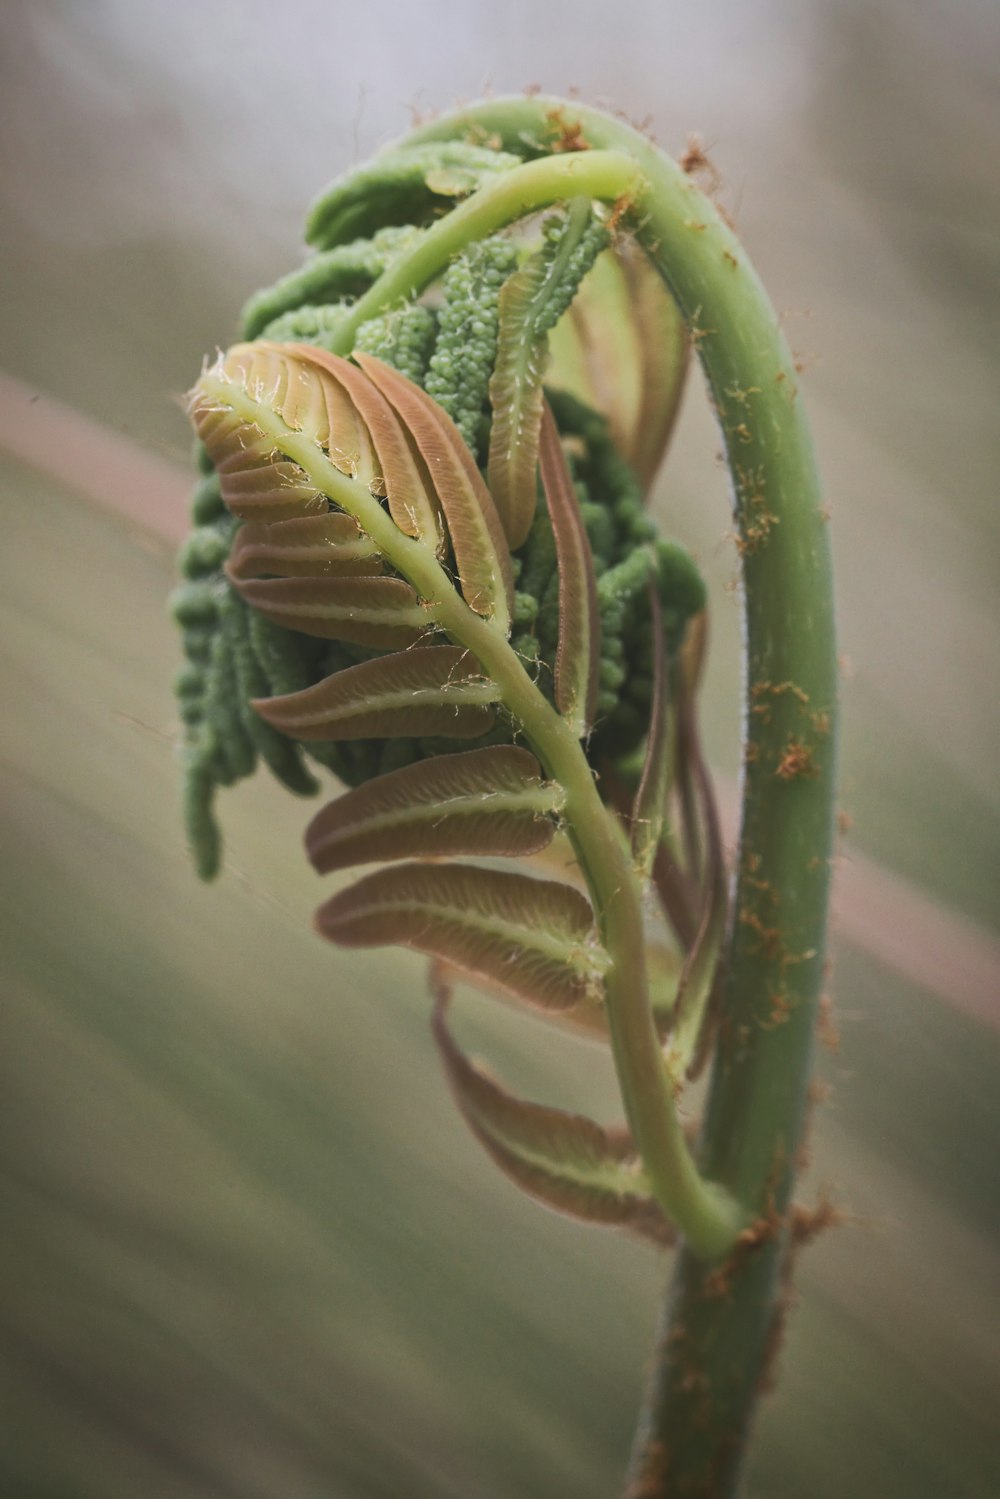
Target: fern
{"points": [[422, 557]]}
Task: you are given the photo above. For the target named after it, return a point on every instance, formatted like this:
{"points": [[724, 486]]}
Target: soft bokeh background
{"points": [[248, 1250]]}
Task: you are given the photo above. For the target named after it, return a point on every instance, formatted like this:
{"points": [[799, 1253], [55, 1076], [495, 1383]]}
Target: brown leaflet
{"points": [[676, 895], [578, 651], [565, 1161], [697, 987], [262, 371], [622, 348], [688, 675], [437, 689], [477, 538], [380, 612], [304, 408], [313, 546], [665, 350], [586, 1020], [411, 506], [651, 794], [534, 939], [348, 440], [255, 484], [487, 801], [323, 411]]}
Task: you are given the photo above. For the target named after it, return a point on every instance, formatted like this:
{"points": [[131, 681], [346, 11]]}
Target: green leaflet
{"points": [[531, 302], [490, 802], [200, 825], [578, 652], [435, 689], [225, 742], [533, 939], [566, 1161], [622, 348], [404, 186]]}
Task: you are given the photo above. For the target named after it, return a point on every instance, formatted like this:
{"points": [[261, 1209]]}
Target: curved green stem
{"points": [[719, 1324], [604, 175]]}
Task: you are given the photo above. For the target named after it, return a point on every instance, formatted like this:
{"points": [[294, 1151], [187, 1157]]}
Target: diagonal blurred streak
{"points": [[878, 911], [103, 466]]}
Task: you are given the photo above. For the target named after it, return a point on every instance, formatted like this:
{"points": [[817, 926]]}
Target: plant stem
{"points": [[720, 1324]]}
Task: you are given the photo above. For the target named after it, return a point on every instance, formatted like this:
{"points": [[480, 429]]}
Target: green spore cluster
{"points": [[449, 346], [224, 670], [331, 276], [404, 338], [320, 325], [571, 242], [458, 375]]}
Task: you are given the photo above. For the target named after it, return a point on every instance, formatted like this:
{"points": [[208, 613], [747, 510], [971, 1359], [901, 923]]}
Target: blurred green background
{"points": [[248, 1249]]}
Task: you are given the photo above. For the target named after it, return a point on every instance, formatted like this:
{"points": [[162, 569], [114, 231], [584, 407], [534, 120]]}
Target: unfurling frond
{"points": [[407, 541], [424, 560]]}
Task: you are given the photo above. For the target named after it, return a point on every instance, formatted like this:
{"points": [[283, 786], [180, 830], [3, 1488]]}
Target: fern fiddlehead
{"points": [[439, 541]]}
